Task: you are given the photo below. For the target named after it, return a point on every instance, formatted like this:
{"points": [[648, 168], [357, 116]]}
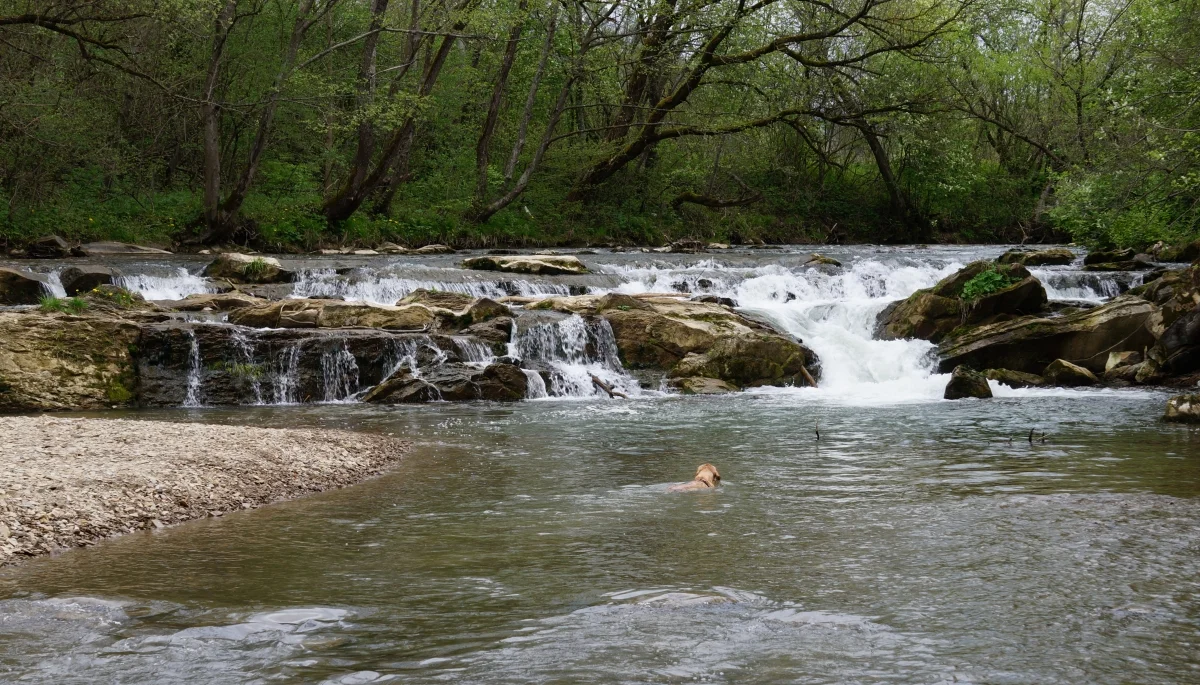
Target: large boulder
{"points": [[1184, 252], [435, 248], [81, 279], [1029, 344], [1055, 256], [750, 360], [1177, 323], [660, 332], [542, 265], [1183, 409], [1014, 379], [241, 268], [1064, 373], [934, 313], [965, 382], [55, 362], [497, 382], [21, 287], [48, 247]]}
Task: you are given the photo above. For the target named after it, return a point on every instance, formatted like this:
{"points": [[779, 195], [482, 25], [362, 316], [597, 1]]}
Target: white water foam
{"points": [[572, 352], [174, 287], [385, 288]]}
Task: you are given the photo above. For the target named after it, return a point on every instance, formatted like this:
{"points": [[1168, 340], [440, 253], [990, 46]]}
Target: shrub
{"points": [[256, 268], [985, 283], [76, 305]]}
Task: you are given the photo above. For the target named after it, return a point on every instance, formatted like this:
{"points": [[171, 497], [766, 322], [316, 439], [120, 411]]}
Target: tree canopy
{"points": [[294, 123]]}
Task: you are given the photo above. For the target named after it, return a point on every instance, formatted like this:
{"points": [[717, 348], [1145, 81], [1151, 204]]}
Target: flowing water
{"points": [[916, 541]]}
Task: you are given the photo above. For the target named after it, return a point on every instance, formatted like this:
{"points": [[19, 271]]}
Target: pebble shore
{"points": [[73, 482]]}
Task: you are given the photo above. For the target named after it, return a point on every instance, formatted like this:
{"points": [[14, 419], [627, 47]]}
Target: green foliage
{"points": [[985, 283], [76, 305], [256, 268], [50, 304], [240, 369]]}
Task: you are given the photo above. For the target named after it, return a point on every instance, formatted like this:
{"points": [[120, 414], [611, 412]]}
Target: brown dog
{"points": [[706, 477]]}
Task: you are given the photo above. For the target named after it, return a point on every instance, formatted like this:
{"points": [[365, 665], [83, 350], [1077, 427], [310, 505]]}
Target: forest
{"points": [[292, 124]]}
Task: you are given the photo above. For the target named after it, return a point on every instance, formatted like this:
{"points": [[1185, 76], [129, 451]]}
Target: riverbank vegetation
{"points": [[289, 124]]}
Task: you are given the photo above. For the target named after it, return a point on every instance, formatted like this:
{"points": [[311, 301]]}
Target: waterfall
{"points": [[473, 351], [379, 287], [285, 375], [340, 372], [193, 377], [243, 353], [176, 286], [572, 351]]}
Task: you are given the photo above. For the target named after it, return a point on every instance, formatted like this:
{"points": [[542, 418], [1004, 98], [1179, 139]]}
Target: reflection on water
{"points": [[915, 542]]}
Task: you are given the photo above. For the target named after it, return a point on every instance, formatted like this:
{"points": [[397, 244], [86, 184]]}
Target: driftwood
{"points": [[607, 388], [808, 377]]}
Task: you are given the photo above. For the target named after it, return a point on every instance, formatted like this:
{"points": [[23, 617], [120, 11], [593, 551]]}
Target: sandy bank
{"points": [[72, 482]]}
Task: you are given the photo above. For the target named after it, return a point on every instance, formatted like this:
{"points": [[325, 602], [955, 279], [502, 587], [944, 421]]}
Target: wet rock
{"points": [[494, 332], [241, 268], [935, 313], [1119, 359], [751, 360], [1014, 379], [1058, 256], [434, 249], [1177, 323], [543, 265], [699, 385], [815, 258], [1183, 409], [48, 247], [1108, 256], [21, 287], [1185, 252], [104, 248], [56, 362], [221, 302], [967, 383], [392, 248], [1030, 343], [80, 279], [452, 383], [437, 298], [1064, 373], [718, 246], [715, 299], [687, 246], [336, 314], [1139, 263]]}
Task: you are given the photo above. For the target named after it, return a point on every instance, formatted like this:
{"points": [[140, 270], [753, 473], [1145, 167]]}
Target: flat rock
{"points": [[434, 249], [541, 265], [1014, 379], [1058, 256], [48, 247], [114, 248], [699, 385]]}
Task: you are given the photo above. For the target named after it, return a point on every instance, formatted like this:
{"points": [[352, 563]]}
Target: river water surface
{"points": [[916, 541]]}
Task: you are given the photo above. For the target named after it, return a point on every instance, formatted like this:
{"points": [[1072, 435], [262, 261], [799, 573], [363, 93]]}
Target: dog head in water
{"points": [[707, 474]]}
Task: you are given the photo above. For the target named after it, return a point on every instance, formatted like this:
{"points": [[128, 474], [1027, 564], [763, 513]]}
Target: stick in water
{"points": [[808, 377], [607, 388]]}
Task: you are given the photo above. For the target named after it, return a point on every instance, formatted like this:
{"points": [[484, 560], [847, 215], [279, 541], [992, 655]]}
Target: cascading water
{"points": [[285, 375], [340, 371], [193, 378], [175, 286], [572, 351], [381, 287], [243, 351]]}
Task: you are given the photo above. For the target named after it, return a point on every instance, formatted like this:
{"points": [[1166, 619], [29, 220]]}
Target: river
{"points": [[916, 541]]}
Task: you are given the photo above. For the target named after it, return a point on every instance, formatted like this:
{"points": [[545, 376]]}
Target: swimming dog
{"points": [[706, 477]]}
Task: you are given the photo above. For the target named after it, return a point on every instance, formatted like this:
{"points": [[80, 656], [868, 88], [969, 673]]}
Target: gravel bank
{"points": [[72, 482]]}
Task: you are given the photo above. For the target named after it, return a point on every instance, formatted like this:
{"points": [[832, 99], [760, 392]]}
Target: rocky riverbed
{"points": [[72, 482]]}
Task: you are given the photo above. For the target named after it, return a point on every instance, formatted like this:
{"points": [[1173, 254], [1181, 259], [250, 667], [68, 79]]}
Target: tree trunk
{"points": [[531, 97], [210, 117], [483, 147]]}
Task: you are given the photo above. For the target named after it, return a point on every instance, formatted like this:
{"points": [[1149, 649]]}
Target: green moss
{"points": [[118, 394], [985, 283]]}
